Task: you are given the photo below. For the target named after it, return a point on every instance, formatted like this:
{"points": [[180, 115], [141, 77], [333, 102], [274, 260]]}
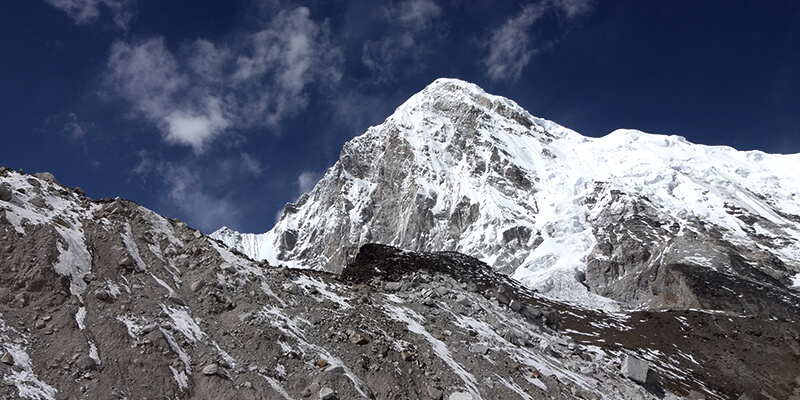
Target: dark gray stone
{"points": [[5, 192]]}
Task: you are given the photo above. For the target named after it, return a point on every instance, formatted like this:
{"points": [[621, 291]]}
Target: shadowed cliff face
{"points": [[646, 258]]}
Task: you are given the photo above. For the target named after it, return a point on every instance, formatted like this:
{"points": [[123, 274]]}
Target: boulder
{"points": [[634, 369], [197, 285], [531, 313], [357, 338], [227, 267], [177, 299], [695, 395], [7, 359], [5, 192], [460, 396], [479, 348], [126, 263], [102, 294], [291, 288], [87, 363], [503, 296], [327, 393], [46, 176], [38, 202], [435, 393], [211, 369], [393, 286]]}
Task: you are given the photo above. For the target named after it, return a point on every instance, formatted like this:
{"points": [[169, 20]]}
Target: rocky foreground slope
{"points": [[630, 219], [105, 299]]}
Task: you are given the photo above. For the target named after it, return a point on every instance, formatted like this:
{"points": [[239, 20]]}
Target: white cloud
{"points": [[511, 46], [87, 11], [74, 128], [282, 61], [195, 129], [251, 164], [207, 60], [307, 180], [68, 124], [186, 192], [574, 8], [146, 75], [418, 14], [207, 89], [383, 56], [150, 78], [412, 19]]}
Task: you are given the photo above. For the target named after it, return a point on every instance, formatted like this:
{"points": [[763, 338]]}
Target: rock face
{"points": [[156, 333], [638, 218]]}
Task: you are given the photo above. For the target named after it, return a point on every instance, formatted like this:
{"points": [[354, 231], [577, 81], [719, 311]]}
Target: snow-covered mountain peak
{"points": [[455, 168]]}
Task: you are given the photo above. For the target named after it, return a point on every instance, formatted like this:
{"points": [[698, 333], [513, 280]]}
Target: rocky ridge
{"points": [[628, 220], [107, 299]]}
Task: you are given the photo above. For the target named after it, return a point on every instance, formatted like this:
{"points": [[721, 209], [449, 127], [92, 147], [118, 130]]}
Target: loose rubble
{"points": [[121, 302]]}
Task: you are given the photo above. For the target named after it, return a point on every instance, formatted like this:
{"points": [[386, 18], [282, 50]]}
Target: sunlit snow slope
{"points": [[455, 168]]}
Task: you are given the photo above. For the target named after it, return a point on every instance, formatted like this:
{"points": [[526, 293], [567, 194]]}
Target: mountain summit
{"points": [[630, 219]]}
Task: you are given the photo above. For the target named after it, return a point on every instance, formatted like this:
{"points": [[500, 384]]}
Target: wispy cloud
{"points": [[191, 188], [251, 164], [186, 192], [410, 19], [573, 8], [307, 180], [68, 125], [88, 11], [198, 93], [416, 14], [275, 65], [512, 45]]}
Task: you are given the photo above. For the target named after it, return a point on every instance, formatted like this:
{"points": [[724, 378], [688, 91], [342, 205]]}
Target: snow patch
{"points": [[276, 386], [225, 356], [180, 377], [80, 317], [178, 350], [93, 354], [132, 248], [322, 288], [409, 317], [183, 322]]}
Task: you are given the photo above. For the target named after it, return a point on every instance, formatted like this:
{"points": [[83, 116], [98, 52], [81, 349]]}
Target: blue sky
{"points": [[220, 112]]}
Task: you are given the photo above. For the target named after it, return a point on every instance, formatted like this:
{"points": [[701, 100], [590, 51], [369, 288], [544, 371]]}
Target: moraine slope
{"points": [[106, 299]]}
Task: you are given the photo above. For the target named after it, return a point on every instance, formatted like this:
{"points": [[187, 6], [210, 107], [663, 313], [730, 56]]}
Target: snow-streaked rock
{"points": [[457, 169], [287, 344]]}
